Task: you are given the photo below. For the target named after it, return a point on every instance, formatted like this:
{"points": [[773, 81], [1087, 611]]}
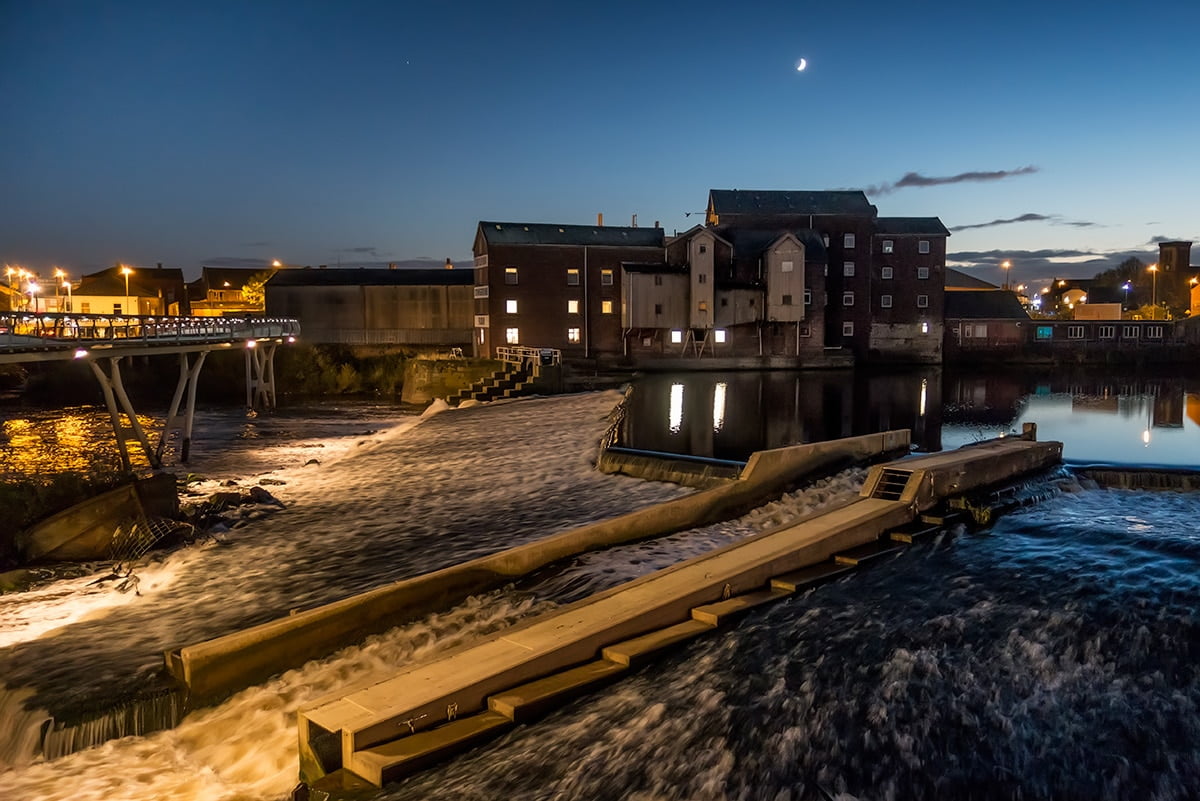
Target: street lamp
{"points": [[59, 275], [33, 292], [1126, 287], [125, 271], [1006, 266], [1154, 289]]}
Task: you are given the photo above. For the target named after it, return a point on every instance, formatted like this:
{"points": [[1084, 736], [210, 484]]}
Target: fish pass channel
{"points": [[1050, 656]]}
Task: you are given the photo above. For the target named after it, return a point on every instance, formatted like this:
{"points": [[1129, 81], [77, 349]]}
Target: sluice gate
{"points": [[429, 711]]}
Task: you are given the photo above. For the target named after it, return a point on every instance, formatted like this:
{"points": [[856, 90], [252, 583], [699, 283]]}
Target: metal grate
{"points": [[891, 484]]}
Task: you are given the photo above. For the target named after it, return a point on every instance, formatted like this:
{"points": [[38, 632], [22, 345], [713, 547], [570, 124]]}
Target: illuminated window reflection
{"points": [[719, 406], [675, 415]]}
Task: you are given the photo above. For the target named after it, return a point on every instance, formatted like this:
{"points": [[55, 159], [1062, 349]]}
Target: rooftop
{"points": [[370, 277], [754, 202], [517, 233]]}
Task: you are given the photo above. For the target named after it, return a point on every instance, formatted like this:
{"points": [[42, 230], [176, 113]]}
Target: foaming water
{"points": [[246, 747], [1037, 660]]}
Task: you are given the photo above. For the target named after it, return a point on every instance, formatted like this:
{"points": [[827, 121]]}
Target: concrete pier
{"points": [[428, 711]]}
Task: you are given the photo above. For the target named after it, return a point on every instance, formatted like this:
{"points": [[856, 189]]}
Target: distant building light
{"points": [[250, 343], [676, 336], [80, 353]]}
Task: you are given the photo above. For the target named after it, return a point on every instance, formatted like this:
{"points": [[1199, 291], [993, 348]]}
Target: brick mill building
{"points": [[773, 278]]}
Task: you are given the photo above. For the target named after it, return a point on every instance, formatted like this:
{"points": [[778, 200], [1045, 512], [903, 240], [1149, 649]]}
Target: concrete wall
{"points": [[426, 379]]}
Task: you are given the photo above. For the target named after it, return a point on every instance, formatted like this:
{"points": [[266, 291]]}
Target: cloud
{"points": [[912, 179], [236, 261], [1053, 219], [1040, 266], [363, 251]]}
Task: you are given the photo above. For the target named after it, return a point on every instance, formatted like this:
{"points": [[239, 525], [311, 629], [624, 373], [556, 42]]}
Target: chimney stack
{"points": [[449, 264], [634, 222], [600, 219]]}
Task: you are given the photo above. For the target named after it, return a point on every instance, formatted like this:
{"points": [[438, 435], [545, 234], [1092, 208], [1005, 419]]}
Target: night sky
{"points": [[355, 133]]}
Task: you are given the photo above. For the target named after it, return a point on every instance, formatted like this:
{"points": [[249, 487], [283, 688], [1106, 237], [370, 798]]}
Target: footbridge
{"points": [[104, 340]]}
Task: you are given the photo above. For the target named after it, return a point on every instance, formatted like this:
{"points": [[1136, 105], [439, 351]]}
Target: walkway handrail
{"points": [[519, 354], [28, 331]]}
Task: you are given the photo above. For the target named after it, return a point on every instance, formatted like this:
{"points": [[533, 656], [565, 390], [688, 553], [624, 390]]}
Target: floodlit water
{"points": [[1051, 656]]}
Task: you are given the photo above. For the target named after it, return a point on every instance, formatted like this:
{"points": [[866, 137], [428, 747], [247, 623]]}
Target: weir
{"points": [[429, 711]]}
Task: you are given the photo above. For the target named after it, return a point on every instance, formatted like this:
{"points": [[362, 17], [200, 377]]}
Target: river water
{"points": [[1051, 656]]}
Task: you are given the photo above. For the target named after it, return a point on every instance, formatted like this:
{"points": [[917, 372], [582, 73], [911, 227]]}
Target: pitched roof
{"points": [[516, 233], [901, 226], [229, 277], [750, 243], [371, 277], [984, 304], [957, 279], [773, 202]]}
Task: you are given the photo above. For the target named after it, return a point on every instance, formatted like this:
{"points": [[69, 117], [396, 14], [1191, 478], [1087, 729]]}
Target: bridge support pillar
{"points": [[188, 375], [260, 376], [114, 392]]}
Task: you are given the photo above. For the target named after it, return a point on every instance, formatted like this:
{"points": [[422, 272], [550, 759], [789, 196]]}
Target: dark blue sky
{"points": [[318, 132]]}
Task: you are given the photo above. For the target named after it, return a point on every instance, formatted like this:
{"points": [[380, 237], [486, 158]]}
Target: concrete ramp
{"points": [[428, 711]]}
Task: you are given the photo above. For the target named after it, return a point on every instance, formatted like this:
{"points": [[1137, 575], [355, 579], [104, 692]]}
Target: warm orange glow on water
{"points": [[43, 442]]}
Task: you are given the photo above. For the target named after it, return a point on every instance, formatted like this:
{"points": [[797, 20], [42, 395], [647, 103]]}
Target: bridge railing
{"points": [[27, 330]]}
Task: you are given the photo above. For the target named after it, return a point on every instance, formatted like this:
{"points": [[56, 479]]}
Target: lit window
{"points": [[848, 241], [786, 266], [676, 336], [572, 276], [923, 246], [573, 335], [606, 307], [888, 246], [719, 336], [825, 239], [510, 306], [848, 269], [808, 297], [886, 273], [787, 300], [922, 301], [703, 306], [481, 332], [847, 329], [510, 275], [572, 307], [606, 277], [922, 272], [512, 336], [924, 327], [885, 302], [847, 298]]}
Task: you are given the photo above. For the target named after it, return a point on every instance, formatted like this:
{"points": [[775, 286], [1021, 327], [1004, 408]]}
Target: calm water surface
{"points": [[1119, 419]]}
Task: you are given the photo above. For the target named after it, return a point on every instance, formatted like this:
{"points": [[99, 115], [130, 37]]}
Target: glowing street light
{"points": [[33, 290], [276, 264], [1006, 266], [1154, 288], [1126, 286], [126, 271]]}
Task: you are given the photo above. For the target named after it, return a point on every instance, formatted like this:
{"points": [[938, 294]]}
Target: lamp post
{"points": [[125, 271], [1126, 287], [33, 288], [1154, 289], [1006, 266]]}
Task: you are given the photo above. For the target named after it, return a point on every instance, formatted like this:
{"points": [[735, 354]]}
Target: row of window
{"points": [[512, 276], [889, 246], [512, 336], [885, 272], [606, 306], [1046, 332], [885, 301]]}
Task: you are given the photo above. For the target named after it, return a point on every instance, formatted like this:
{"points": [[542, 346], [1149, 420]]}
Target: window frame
{"points": [[511, 276], [886, 272]]}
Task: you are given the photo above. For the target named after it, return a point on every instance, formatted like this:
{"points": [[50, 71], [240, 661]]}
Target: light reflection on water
{"points": [[1144, 420]]}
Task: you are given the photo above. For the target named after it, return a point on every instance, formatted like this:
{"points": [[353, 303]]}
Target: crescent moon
{"points": [[803, 63]]}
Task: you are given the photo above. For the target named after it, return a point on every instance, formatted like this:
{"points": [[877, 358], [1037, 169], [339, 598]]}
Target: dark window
{"points": [[658, 308], [704, 248], [658, 280], [787, 300]]}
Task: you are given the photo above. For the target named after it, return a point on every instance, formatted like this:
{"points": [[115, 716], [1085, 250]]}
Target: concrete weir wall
{"points": [[217, 667]]}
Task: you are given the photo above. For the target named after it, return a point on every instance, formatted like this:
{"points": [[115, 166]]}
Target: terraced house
{"points": [[773, 278]]}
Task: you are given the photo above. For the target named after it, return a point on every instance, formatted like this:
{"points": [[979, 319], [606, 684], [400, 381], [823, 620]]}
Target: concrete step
{"points": [[809, 576], [529, 701], [415, 752], [722, 611], [640, 650], [865, 553], [940, 518], [913, 532]]}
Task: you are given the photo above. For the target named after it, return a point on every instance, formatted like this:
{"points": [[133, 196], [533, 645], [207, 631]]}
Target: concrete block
{"points": [[808, 576], [722, 611], [399, 758], [640, 650], [865, 553], [534, 699], [913, 532]]}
